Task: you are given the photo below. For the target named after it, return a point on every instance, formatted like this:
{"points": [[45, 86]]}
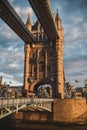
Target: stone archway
{"points": [[44, 83], [43, 90]]}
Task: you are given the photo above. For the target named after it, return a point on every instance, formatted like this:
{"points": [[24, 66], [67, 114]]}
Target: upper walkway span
{"points": [[8, 14], [9, 106], [43, 11]]}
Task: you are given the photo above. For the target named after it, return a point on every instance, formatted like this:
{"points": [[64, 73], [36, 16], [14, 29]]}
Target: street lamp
{"points": [[30, 80]]}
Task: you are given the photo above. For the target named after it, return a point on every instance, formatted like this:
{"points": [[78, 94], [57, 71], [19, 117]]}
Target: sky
{"points": [[73, 14]]}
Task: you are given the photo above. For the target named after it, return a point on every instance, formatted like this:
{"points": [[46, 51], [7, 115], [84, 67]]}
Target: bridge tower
{"points": [[44, 59]]}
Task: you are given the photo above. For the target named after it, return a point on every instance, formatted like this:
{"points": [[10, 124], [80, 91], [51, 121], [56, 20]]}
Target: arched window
{"points": [[33, 54], [42, 53], [42, 61]]}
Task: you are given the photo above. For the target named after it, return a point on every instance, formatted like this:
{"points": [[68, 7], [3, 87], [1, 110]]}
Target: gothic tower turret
{"points": [[27, 56], [28, 23], [59, 25], [59, 52]]}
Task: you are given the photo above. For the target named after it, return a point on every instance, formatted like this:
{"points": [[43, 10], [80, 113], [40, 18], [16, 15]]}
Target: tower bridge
{"points": [[43, 46], [43, 65]]}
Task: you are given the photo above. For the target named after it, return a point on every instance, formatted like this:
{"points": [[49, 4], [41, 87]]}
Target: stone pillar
{"points": [[38, 30], [60, 74], [45, 63], [37, 64], [26, 66]]}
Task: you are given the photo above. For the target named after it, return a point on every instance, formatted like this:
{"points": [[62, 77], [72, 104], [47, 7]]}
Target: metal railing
{"points": [[9, 106]]}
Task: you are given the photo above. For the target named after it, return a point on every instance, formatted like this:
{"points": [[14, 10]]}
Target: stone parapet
{"points": [[68, 110]]}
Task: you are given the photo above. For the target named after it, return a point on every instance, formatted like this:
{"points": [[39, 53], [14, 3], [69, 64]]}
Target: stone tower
{"points": [[44, 60]]}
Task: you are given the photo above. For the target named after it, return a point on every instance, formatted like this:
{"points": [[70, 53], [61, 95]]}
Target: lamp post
{"points": [[52, 82], [30, 80]]}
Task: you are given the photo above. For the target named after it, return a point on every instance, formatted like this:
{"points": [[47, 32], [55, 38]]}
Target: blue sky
{"points": [[73, 14]]}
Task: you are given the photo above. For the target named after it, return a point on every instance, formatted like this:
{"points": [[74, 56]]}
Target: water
{"points": [[22, 125]]}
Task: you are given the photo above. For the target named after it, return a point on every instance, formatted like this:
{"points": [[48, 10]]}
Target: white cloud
{"points": [[13, 66], [7, 33], [6, 75], [23, 12]]}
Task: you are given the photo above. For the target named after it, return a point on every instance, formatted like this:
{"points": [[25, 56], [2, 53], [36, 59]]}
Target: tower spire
{"points": [[57, 16], [28, 20], [59, 24], [57, 19], [28, 23]]}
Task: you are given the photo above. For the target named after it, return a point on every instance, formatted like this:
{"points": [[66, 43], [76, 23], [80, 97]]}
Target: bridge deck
{"points": [[9, 106]]}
